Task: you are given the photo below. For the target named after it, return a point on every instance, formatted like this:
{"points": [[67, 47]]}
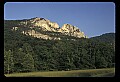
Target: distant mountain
{"points": [[44, 28], [107, 37]]}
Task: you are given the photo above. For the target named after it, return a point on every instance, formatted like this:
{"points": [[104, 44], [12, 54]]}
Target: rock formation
{"points": [[72, 31], [47, 25]]}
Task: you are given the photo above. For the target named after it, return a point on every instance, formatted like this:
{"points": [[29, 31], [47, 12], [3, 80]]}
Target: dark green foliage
{"points": [[107, 38], [8, 62], [26, 53]]}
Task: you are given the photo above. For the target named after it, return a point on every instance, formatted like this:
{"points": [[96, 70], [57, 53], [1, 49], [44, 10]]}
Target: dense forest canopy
{"points": [[24, 53]]}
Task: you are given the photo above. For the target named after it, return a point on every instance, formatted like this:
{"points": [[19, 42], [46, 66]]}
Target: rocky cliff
{"points": [[72, 31], [47, 25]]}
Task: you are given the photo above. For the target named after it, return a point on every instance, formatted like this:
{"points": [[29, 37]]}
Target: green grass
{"points": [[107, 72], [112, 74]]}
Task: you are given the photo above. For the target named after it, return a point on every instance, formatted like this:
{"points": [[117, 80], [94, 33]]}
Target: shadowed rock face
{"points": [[47, 25]]}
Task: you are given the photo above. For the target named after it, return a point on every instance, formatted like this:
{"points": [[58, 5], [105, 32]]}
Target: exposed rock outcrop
{"points": [[72, 31], [39, 35], [47, 25]]}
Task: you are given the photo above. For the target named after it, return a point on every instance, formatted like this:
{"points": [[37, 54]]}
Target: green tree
{"points": [[28, 62], [18, 58], [101, 62], [8, 62]]}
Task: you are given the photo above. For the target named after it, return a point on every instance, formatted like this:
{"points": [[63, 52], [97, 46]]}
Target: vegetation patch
{"points": [[107, 72]]}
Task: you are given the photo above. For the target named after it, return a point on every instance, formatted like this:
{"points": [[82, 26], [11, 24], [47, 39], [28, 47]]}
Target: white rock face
{"points": [[72, 31], [15, 28], [39, 35], [47, 25]]}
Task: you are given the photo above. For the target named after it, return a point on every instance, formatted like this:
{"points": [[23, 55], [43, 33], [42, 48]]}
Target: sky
{"points": [[92, 18]]}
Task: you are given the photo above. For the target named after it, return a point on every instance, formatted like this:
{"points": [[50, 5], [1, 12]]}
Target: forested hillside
{"points": [[24, 53], [107, 37]]}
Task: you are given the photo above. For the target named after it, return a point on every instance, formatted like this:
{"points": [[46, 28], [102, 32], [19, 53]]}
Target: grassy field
{"points": [[107, 72]]}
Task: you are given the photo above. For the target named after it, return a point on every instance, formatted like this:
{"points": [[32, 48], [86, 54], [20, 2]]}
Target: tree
{"points": [[101, 62], [23, 61], [28, 63], [8, 62], [18, 58]]}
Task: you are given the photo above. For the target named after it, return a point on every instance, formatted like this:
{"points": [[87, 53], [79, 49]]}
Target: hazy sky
{"points": [[93, 18]]}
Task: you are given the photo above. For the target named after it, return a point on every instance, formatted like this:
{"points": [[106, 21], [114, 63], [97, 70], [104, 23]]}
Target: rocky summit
{"points": [[46, 25], [72, 31]]}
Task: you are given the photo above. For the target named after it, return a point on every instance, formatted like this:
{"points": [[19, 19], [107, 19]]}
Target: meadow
{"points": [[106, 72]]}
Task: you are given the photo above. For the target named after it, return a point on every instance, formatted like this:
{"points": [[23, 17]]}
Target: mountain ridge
{"points": [[46, 25]]}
